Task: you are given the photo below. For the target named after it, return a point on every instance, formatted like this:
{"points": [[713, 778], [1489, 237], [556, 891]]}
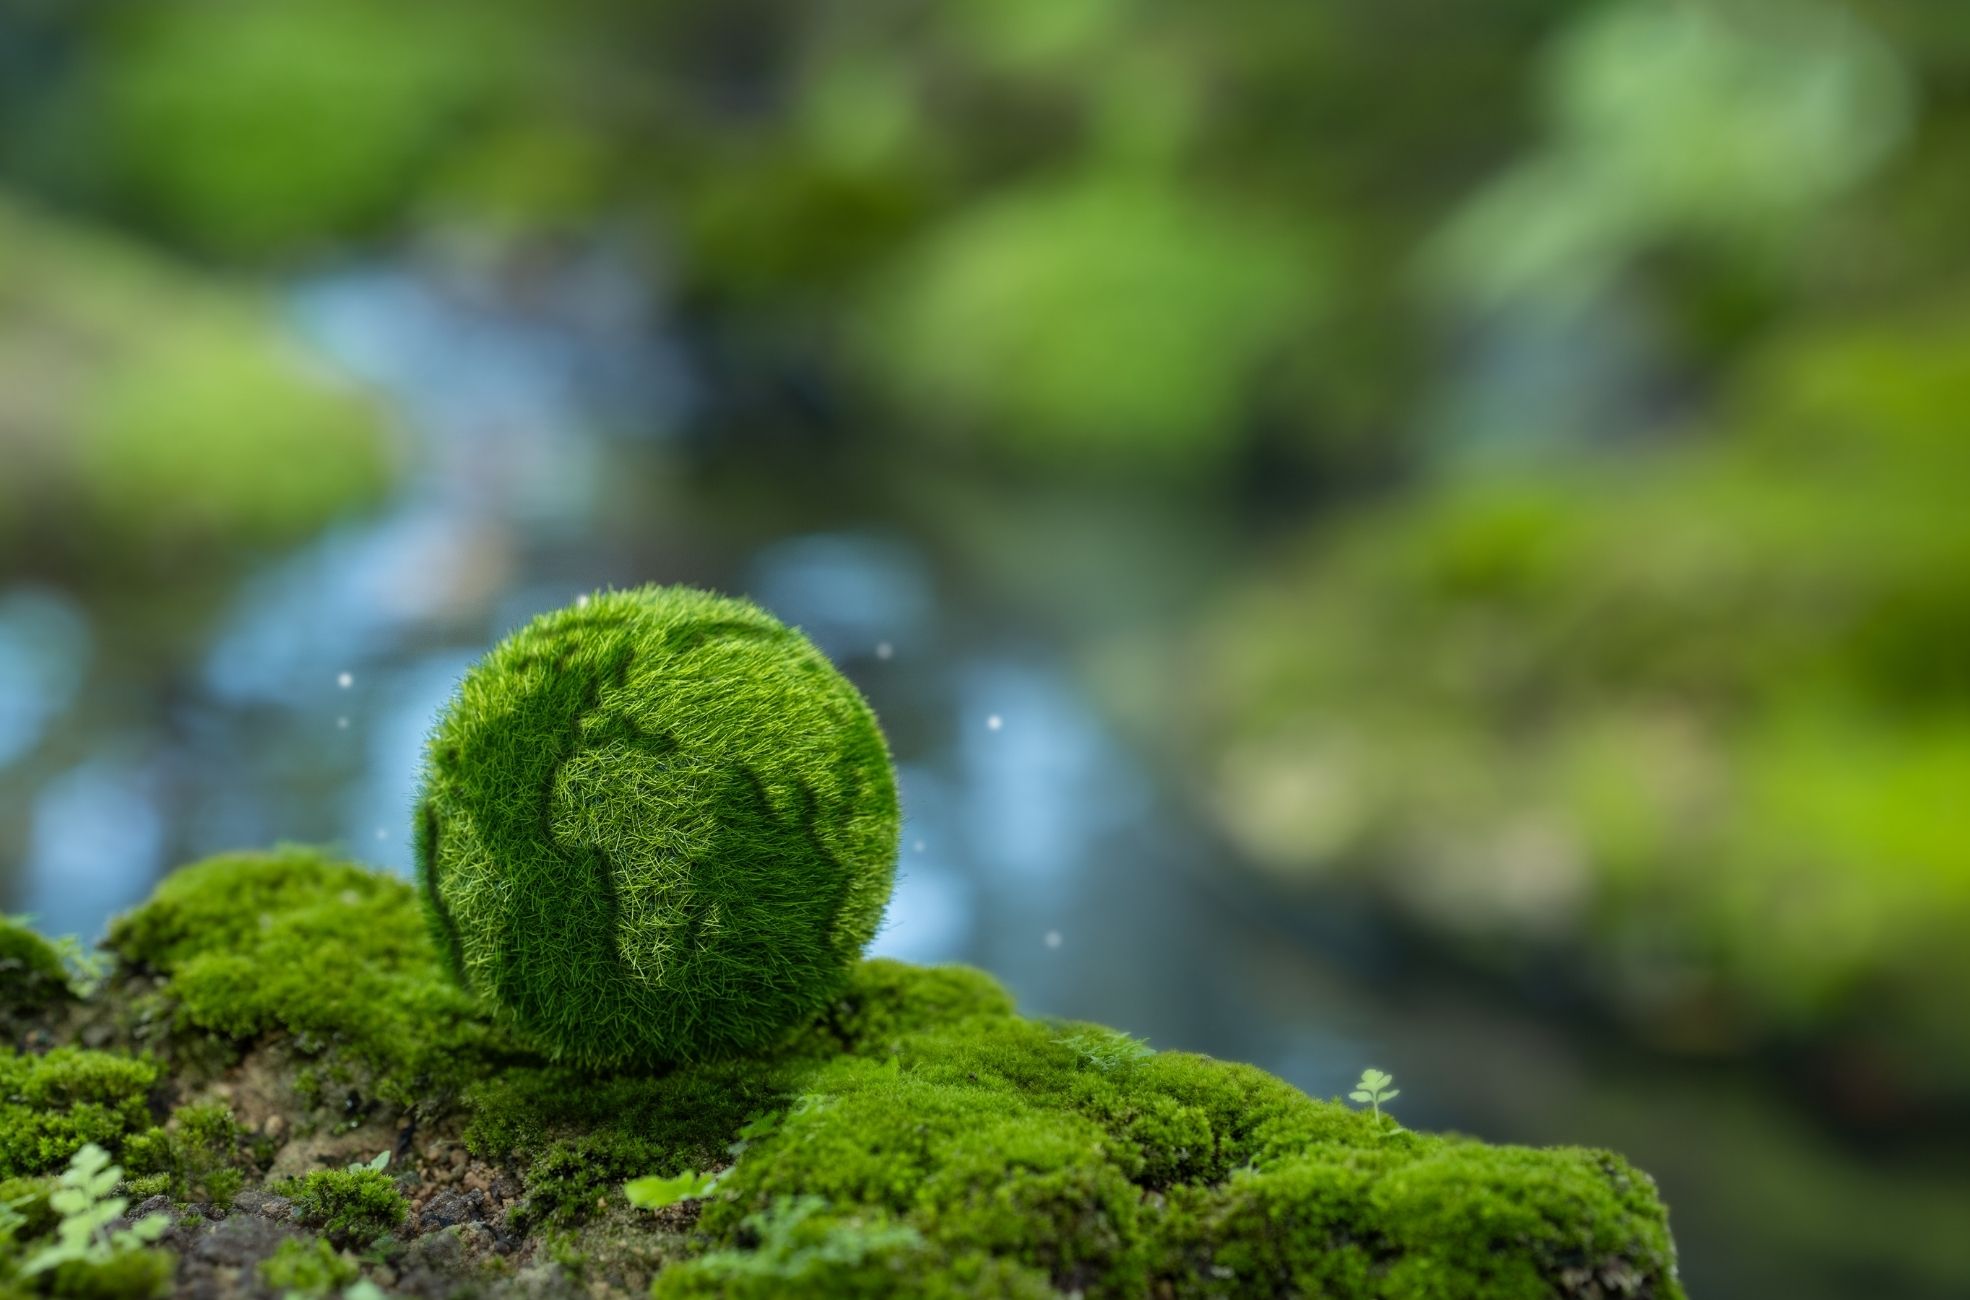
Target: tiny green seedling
{"points": [[660, 1193], [83, 1200], [376, 1163], [1106, 1050], [1373, 1090]]}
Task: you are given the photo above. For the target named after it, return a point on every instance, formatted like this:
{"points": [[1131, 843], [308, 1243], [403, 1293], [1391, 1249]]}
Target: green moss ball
{"points": [[656, 825]]}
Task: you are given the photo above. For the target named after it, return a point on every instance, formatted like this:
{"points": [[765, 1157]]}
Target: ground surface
{"points": [[275, 1025]]}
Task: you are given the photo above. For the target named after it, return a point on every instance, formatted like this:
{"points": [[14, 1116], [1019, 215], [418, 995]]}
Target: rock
{"points": [[238, 1242], [264, 1205], [449, 1208]]}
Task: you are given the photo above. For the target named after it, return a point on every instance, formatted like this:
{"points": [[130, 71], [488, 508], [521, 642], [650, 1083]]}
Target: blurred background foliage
{"points": [[1477, 493]]}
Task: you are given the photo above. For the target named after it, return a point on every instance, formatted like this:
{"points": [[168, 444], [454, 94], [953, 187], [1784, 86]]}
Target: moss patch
{"points": [[917, 1137], [197, 1155], [53, 1105], [289, 941], [355, 1205], [1114, 1171]]}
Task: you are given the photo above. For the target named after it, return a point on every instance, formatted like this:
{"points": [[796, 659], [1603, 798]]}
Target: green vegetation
{"points": [[1696, 716], [997, 1137], [915, 1137], [33, 976], [1110, 323], [803, 1250], [87, 1257], [254, 944], [356, 1205], [135, 418], [53, 1105], [1792, 108], [655, 1193], [255, 130], [656, 824], [308, 1268], [1374, 1089], [195, 1156]]}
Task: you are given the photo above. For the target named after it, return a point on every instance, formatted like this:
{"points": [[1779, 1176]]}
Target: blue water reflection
{"points": [[44, 655], [95, 842]]}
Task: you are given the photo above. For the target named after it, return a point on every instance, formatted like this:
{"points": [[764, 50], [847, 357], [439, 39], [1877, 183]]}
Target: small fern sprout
{"points": [[1374, 1089], [83, 1199]]}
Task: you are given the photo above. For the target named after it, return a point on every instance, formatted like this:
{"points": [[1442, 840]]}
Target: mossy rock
{"points": [[53, 1104], [918, 1137], [138, 422], [1692, 716]]}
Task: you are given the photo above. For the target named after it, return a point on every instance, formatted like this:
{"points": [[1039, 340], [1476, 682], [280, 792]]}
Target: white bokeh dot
{"points": [[1053, 938], [995, 722], [345, 679]]}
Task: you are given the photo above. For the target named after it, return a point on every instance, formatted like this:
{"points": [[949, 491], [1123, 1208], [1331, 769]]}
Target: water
{"points": [[545, 425]]}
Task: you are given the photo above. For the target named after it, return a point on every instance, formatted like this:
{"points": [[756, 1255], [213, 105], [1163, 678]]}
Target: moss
{"points": [[887, 999], [1416, 1218], [657, 824], [197, 1154], [309, 1268], [53, 1105], [289, 941], [580, 1137], [134, 409], [805, 1250], [917, 1137], [349, 1204], [1105, 1169], [32, 974]]}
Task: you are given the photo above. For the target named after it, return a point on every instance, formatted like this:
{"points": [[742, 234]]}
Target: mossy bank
{"points": [[280, 1066]]}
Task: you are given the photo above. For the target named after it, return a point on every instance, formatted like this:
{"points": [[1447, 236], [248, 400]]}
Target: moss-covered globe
{"points": [[656, 825]]}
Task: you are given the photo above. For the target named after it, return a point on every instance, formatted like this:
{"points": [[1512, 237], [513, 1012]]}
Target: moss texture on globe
{"points": [[656, 825]]}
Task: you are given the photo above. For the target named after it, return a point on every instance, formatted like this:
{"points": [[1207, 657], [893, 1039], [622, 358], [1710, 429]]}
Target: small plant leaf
{"points": [[657, 1193]]}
